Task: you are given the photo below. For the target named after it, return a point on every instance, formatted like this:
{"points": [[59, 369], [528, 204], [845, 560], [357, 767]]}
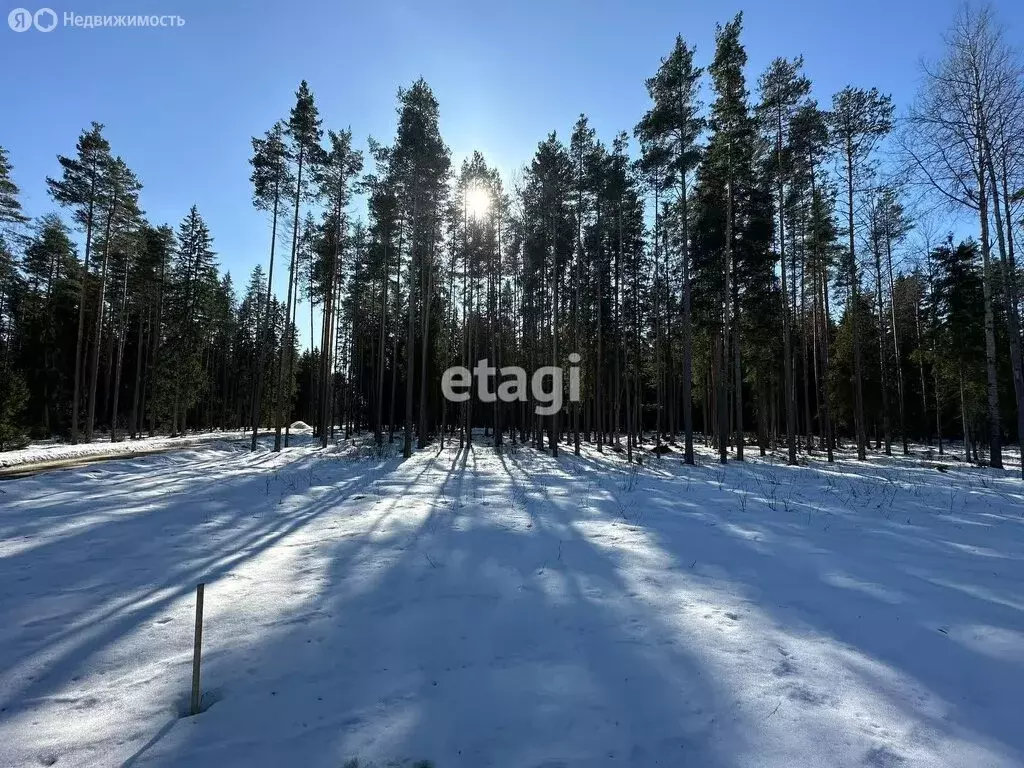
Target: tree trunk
{"points": [[994, 427], [1005, 243], [858, 392], [80, 339], [882, 362], [410, 351], [95, 362], [287, 335]]}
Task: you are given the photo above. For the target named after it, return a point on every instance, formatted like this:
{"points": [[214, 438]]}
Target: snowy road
{"points": [[482, 610], [57, 455]]}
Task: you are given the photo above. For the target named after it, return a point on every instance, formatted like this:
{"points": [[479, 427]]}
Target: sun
{"points": [[478, 201]]}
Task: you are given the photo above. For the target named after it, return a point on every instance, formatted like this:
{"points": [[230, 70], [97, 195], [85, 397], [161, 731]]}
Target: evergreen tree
{"points": [[698, 283], [10, 205], [858, 120], [957, 303], [304, 134], [784, 91], [824, 249], [13, 392], [669, 131], [585, 154], [272, 182], [811, 212], [420, 163], [82, 188], [119, 220], [150, 270], [726, 198], [50, 269], [189, 292], [334, 177], [13, 397]]}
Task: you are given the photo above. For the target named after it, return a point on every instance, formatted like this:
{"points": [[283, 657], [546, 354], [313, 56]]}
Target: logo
{"points": [[22, 20], [45, 20], [457, 384]]}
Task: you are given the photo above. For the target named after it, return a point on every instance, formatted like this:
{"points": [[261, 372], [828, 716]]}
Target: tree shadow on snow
{"points": [[469, 638], [514, 609]]}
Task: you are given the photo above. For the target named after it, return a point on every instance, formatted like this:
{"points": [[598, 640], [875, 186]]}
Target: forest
{"points": [[752, 265]]}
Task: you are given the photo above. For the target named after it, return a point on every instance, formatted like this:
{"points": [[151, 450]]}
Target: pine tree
{"points": [[119, 193], [13, 397], [50, 268], [822, 241], [334, 177], [549, 236], [149, 269], [420, 163], [727, 188], [583, 150], [811, 214], [304, 133], [888, 225], [626, 235], [783, 91], [272, 182], [671, 129], [82, 188], [10, 205], [858, 120], [251, 344], [13, 392], [957, 303], [382, 236], [191, 280]]}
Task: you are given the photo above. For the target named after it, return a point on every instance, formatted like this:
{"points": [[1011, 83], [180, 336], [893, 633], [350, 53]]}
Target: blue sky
{"points": [[180, 104]]}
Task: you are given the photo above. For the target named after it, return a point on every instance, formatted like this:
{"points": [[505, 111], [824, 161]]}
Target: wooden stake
{"points": [[197, 650]]}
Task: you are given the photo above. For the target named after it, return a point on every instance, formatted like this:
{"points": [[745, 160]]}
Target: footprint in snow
{"points": [[883, 757], [805, 695], [83, 704], [784, 668]]}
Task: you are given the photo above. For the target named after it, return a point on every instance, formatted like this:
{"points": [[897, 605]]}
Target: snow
{"points": [[53, 450], [475, 609]]}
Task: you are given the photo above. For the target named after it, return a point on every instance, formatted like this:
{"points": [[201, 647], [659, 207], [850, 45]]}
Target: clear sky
{"points": [[180, 104]]}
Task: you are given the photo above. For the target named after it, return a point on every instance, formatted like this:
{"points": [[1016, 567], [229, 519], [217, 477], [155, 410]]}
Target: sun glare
{"points": [[478, 201]]}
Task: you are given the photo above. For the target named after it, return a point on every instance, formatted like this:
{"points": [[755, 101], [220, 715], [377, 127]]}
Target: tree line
{"points": [[761, 270]]}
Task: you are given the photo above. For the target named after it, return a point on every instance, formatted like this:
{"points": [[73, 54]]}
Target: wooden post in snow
{"points": [[197, 650]]}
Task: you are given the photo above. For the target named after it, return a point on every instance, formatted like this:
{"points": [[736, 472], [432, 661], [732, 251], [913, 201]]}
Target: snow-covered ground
{"points": [[481, 610], [54, 450]]}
